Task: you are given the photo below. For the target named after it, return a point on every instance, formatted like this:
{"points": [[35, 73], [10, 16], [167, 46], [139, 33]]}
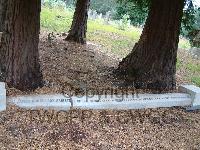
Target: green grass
{"points": [[196, 80], [184, 44], [178, 63], [132, 33], [56, 20], [60, 21], [188, 68], [118, 41], [114, 43], [194, 72], [193, 67]]}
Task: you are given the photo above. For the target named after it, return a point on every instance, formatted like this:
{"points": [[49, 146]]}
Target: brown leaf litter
{"points": [[164, 128], [69, 66]]}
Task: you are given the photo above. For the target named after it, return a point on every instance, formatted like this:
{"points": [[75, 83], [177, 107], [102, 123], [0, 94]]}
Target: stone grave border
{"points": [[188, 97]]}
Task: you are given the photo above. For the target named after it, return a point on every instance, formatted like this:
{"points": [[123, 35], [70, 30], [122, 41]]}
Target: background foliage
{"points": [[135, 12]]}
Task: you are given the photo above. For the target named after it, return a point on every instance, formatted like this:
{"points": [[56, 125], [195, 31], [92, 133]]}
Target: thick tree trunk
{"points": [[152, 62], [20, 44], [3, 6], [78, 29]]}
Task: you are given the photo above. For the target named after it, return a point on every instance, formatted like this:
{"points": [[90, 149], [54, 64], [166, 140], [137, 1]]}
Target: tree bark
{"points": [[20, 44], [152, 62], [3, 6], [78, 29]]}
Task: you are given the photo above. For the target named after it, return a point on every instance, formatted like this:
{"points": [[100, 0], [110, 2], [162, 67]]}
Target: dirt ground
{"points": [[172, 128], [72, 67]]}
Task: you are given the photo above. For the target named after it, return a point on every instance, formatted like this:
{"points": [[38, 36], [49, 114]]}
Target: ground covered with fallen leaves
{"points": [[70, 66], [73, 67], [172, 128]]}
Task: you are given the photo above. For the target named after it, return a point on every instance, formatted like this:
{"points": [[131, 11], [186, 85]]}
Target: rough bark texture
{"points": [[78, 29], [3, 6], [152, 62], [20, 44]]}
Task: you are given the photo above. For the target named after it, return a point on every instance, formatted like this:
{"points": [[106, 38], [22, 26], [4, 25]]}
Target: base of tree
{"points": [[27, 85], [77, 39], [143, 82], [148, 72], [78, 28]]}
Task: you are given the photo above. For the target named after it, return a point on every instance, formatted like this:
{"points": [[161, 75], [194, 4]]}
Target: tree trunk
{"points": [[20, 44], [78, 29], [3, 6], [152, 62]]}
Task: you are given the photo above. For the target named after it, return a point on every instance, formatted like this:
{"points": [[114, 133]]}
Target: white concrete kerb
{"points": [[188, 96], [57, 101], [2, 85], [2, 96], [139, 101], [194, 91]]}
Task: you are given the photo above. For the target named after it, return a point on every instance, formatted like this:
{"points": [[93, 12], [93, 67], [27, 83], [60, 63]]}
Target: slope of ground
{"points": [[70, 67], [109, 35], [115, 41]]}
